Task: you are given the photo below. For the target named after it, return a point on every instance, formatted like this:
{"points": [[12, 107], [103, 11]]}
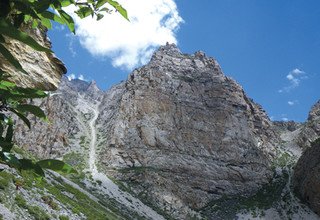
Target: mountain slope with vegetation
{"points": [[177, 140]]}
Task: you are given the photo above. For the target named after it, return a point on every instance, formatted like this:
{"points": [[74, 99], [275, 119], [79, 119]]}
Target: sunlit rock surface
{"points": [[182, 133], [44, 69]]}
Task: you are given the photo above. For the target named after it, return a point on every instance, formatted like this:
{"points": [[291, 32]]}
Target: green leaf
{"points": [[68, 20], [6, 146], [105, 9], [46, 22], [84, 12], [22, 117], [6, 53], [42, 5], [25, 8], [26, 164], [10, 159], [29, 93], [101, 3], [27, 18], [32, 109], [65, 3], [10, 31], [119, 8], [35, 23], [99, 16], [7, 83], [52, 16], [56, 165]]}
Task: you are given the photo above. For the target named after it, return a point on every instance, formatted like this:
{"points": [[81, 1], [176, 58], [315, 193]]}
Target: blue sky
{"points": [[272, 48]]}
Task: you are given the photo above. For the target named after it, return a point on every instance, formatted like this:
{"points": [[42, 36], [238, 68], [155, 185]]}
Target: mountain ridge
{"points": [[177, 133]]}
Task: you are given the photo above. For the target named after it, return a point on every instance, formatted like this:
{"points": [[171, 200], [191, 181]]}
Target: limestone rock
{"points": [[314, 113], [44, 69], [178, 131], [283, 126], [307, 177], [311, 129], [181, 132], [66, 131]]}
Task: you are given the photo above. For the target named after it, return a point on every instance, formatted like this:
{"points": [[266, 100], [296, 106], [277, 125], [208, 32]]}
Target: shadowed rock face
{"points": [[182, 133], [306, 179], [44, 69]]}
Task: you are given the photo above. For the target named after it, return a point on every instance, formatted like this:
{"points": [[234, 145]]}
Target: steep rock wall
{"points": [[178, 131], [306, 181], [182, 133]]}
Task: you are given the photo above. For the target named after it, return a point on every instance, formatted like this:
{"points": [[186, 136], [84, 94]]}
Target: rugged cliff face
{"points": [[307, 171], [307, 177], [67, 130], [178, 131], [44, 69], [182, 133], [311, 129]]}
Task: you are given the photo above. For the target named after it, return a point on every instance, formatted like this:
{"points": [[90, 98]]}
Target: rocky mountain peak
{"points": [[169, 49], [178, 133], [78, 85], [314, 112], [183, 122], [93, 86]]}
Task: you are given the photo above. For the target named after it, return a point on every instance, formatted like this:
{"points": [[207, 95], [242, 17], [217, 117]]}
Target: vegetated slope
{"points": [[71, 135], [24, 197]]}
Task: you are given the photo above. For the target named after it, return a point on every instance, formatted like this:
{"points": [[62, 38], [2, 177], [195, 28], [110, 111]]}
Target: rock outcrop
{"points": [[311, 129], [314, 113], [306, 179], [66, 131], [182, 133], [178, 132], [44, 69]]}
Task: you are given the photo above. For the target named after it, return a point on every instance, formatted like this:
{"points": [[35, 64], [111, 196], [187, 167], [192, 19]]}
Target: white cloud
{"points": [[152, 23], [292, 103], [73, 76], [294, 77], [81, 77], [71, 39], [284, 119], [297, 72]]}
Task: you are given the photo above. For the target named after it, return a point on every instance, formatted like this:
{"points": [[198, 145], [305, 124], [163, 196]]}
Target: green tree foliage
{"points": [[14, 99]]}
